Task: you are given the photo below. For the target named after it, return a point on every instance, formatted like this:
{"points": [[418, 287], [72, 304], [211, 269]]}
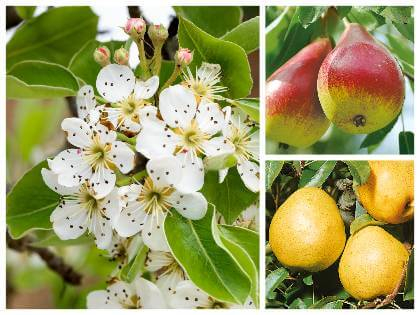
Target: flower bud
{"points": [[121, 56], [102, 56], [135, 27], [183, 57], [158, 34]]}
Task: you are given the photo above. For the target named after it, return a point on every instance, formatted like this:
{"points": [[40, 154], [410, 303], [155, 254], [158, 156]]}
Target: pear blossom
{"points": [[85, 101], [240, 132], [97, 156], [79, 211], [249, 218], [188, 295], [188, 132], [128, 97], [168, 272], [123, 249], [146, 205], [141, 293]]}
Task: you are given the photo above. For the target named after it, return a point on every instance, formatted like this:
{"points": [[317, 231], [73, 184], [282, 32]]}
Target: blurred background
{"points": [[34, 133]]}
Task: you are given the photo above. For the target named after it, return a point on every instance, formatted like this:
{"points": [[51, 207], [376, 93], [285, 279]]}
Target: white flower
{"points": [[148, 204], [85, 101], [240, 133], [123, 249], [168, 271], [249, 218], [190, 134], [118, 85], [141, 293], [188, 295], [204, 83], [79, 211], [98, 155]]}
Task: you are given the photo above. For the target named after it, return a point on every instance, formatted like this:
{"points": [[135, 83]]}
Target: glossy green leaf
{"points": [[39, 79], [136, 266], [53, 240], [369, 19], [406, 142], [328, 302], [30, 203], [272, 170], [209, 266], [246, 35], [403, 50], [399, 14], [25, 12], [243, 245], [322, 174], [215, 163], [308, 280], [274, 279], [363, 221], [236, 73], [360, 170], [406, 29], [375, 138], [250, 106], [309, 14], [310, 169], [215, 20], [409, 279], [230, 197], [53, 36]]}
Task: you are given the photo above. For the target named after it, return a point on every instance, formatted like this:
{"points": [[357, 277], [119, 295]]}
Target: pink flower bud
{"points": [[102, 56], [121, 56], [183, 57], [135, 26]]}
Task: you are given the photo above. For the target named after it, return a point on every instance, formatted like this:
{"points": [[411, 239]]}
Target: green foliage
{"points": [[25, 12], [373, 139], [309, 14], [362, 221], [321, 174], [272, 170], [409, 279], [231, 57], [246, 35], [250, 106], [406, 142], [360, 170]]}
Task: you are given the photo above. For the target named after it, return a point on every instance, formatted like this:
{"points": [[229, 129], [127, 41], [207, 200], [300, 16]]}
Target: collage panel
{"points": [[339, 234], [132, 157], [339, 80]]}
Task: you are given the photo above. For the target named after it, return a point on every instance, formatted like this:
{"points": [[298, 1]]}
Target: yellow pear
{"points": [[388, 195], [307, 231], [372, 263]]}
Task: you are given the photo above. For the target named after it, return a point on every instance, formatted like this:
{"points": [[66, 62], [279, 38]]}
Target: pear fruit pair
{"points": [[358, 86]]}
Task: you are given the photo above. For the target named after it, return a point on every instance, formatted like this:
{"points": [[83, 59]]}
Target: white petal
{"points": [[192, 206], [165, 171], [218, 146], [111, 205], [153, 234], [102, 182], [105, 135], [148, 113], [168, 282], [122, 156], [253, 145], [144, 90], [238, 118], [192, 173], [249, 172], [101, 299], [51, 180], [122, 292], [130, 192], [85, 101], [102, 230], [155, 140], [131, 220], [129, 125], [149, 294], [115, 82], [209, 117], [222, 174], [177, 106], [69, 220], [188, 295], [78, 132], [157, 260]]}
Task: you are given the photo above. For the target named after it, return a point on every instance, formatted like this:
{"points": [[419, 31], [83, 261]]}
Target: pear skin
{"points": [[388, 194], [293, 113], [372, 263], [307, 231], [360, 84]]}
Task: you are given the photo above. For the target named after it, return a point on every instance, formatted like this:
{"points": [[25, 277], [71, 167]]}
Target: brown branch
{"points": [[55, 263]]}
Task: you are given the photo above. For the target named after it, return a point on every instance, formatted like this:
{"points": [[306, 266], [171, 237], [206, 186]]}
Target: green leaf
{"points": [[309, 14], [409, 279], [250, 106], [230, 197], [246, 35], [215, 163], [359, 210], [30, 203], [328, 302], [308, 280], [406, 142], [136, 267], [25, 12], [363, 221], [298, 303], [375, 138], [39, 79], [214, 20], [310, 169], [360, 171], [403, 49], [53, 240], [343, 10], [406, 29], [209, 266], [369, 19], [322, 174], [243, 245], [272, 170], [82, 64], [274, 279], [53, 36], [397, 14], [236, 73]]}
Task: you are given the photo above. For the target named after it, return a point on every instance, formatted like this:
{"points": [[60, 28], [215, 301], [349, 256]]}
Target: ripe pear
{"points": [[372, 263], [360, 84], [307, 231], [388, 194], [293, 113]]}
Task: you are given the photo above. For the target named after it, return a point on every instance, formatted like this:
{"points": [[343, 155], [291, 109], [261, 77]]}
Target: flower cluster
{"points": [[110, 192]]}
